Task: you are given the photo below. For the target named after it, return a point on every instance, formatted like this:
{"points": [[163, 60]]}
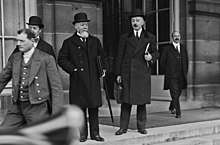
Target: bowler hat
{"points": [[35, 20], [137, 13], [80, 17]]}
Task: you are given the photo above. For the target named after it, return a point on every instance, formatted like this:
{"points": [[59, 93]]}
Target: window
{"points": [[158, 23], [12, 19]]}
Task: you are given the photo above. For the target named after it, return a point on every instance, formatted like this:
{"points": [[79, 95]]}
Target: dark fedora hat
{"points": [[137, 13], [80, 17], [35, 20]]}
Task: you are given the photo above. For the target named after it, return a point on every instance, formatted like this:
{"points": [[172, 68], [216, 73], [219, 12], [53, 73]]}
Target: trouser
{"points": [[93, 122], [125, 116], [23, 113], [175, 92]]}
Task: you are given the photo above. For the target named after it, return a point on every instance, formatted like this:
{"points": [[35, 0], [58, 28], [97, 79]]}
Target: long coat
{"points": [[43, 46], [168, 62], [80, 62], [134, 69], [44, 81]]}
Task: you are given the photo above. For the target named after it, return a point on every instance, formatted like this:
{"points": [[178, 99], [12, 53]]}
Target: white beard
{"points": [[84, 34]]}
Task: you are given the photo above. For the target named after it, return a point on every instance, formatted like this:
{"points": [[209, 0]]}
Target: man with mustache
{"points": [[174, 61], [136, 54], [78, 57], [36, 25]]}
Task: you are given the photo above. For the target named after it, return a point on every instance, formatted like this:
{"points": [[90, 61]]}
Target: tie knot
{"points": [[137, 34], [36, 40]]}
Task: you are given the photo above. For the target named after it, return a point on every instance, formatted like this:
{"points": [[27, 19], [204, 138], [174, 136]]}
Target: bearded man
{"points": [[78, 57]]}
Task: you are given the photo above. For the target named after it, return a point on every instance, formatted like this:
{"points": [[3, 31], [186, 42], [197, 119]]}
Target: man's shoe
{"points": [[142, 131], [120, 132], [173, 111], [82, 139], [98, 138], [178, 116]]}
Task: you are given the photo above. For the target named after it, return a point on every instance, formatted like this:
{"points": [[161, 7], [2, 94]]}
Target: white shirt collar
{"points": [[29, 53], [139, 32], [176, 44]]}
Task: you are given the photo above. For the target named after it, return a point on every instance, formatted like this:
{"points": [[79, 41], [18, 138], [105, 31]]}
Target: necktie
{"points": [[136, 36], [36, 40], [84, 41], [177, 48]]}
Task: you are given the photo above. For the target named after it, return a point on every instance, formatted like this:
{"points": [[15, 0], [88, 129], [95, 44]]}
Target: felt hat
{"points": [[35, 20], [137, 13], [80, 17]]}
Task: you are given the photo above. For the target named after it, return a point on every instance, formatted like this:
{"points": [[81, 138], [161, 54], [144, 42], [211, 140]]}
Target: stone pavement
{"points": [[163, 128]]}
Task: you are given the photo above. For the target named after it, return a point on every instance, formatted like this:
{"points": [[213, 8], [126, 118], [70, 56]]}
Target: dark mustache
{"points": [[176, 39], [135, 25]]}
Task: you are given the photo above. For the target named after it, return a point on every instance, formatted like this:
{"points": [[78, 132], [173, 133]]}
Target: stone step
{"points": [[213, 139], [190, 141], [161, 134]]}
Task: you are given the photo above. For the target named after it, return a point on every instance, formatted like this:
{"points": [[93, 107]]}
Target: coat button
{"points": [[79, 47], [37, 84], [36, 77], [82, 69], [39, 98], [38, 91], [22, 97]]}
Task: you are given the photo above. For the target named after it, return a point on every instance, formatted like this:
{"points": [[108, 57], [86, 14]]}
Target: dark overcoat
{"points": [[44, 81], [134, 69], [80, 62], [168, 62]]}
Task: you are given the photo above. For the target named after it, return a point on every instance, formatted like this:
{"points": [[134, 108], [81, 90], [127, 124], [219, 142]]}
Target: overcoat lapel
{"points": [[132, 41], [89, 40], [141, 44], [35, 65], [76, 39], [173, 49], [17, 67]]}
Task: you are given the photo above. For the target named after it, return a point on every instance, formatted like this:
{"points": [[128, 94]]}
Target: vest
{"points": [[23, 85]]}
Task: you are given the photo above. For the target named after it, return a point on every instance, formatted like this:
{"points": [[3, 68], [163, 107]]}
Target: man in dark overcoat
{"points": [[136, 54], [174, 61], [36, 25], [78, 57], [37, 90]]}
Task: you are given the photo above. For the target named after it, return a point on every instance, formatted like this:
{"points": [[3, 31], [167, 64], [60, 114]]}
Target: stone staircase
{"points": [[200, 133]]}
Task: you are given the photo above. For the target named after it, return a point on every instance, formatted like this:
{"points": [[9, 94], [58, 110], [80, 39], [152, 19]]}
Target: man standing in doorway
{"points": [[174, 60], [36, 85], [78, 57], [36, 25], [136, 54]]}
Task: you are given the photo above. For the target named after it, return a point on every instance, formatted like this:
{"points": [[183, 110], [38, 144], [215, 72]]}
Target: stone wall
{"points": [[202, 39]]}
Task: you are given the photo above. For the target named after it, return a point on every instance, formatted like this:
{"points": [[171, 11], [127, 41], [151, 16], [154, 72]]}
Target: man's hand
{"points": [[147, 57], [118, 79], [104, 73]]}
